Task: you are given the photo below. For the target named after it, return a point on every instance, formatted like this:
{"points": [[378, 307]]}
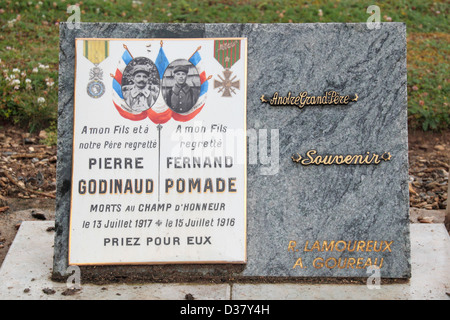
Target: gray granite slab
{"points": [[285, 200]]}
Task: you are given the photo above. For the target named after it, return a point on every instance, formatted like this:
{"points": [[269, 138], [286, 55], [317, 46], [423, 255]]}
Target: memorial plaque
{"points": [[159, 164], [326, 188]]}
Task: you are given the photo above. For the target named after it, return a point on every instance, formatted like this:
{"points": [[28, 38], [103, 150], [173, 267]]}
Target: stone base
{"points": [[27, 270]]}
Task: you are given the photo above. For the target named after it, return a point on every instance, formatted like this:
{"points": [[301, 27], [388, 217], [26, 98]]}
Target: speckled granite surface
{"points": [[358, 212]]}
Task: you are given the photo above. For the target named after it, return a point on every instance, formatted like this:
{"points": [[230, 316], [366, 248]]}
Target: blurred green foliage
{"points": [[29, 42]]}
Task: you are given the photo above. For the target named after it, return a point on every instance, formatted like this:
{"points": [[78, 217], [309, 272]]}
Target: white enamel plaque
{"points": [[159, 152]]}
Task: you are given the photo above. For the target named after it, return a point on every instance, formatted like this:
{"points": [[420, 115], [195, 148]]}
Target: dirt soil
{"points": [[28, 179], [429, 161]]}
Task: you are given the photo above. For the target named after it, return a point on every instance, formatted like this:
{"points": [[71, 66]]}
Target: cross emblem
{"points": [[227, 85]]}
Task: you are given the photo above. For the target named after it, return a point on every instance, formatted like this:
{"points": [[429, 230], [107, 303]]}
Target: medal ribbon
{"points": [[96, 50]]}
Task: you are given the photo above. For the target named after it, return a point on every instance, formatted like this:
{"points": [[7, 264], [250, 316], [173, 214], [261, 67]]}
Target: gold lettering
{"points": [[348, 159], [318, 263], [332, 259], [326, 246], [342, 262], [387, 246], [316, 246], [340, 158], [359, 263], [274, 99], [335, 98], [298, 263], [376, 160], [328, 159], [330, 97], [319, 100], [291, 100], [368, 263], [343, 265], [351, 262], [318, 160], [354, 246], [361, 245], [280, 100], [356, 159], [342, 249], [311, 159], [302, 97], [306, 247], [307, 100], [292, 245], [375, 246], [346, 99]]}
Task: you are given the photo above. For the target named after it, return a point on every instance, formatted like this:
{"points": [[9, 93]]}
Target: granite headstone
{"points": [[327, 166]]}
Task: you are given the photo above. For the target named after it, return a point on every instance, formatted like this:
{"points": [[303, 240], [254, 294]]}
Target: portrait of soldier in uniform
{"points": [[140, 87], [181, 86]]}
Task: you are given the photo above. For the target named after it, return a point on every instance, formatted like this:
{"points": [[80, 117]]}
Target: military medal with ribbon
{"points": [[227, 53], [96, 51]]}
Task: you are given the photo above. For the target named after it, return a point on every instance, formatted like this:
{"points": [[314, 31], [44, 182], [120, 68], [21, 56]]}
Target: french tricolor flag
{"points": [[118, 99], [159, 113], [196, 60]]}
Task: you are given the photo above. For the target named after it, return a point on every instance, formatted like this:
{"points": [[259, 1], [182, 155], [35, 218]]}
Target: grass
{"points": [[428, 72], [29, 40]]}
